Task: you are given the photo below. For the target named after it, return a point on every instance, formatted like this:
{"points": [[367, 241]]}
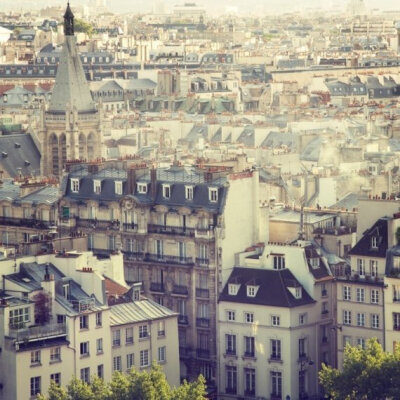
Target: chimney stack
{"points": [[153, 177], [131, 182]]}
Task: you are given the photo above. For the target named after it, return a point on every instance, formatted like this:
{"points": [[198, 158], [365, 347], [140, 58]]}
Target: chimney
{"points": [[153, 177], [131, 182], [48, 284]]}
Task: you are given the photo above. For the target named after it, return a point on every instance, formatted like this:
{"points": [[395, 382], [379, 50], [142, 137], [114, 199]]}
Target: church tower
{"points": [[71, 125]]}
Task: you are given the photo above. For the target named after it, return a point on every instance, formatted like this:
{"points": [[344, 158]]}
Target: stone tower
{"points": [[70, 128]]}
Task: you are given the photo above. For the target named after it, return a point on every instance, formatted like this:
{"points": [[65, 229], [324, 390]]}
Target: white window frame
{"points": [[118, 187], [249, 318], [233, 289], [166, 188], [162, 354], [97, 186], [374, 296], [375, 321], [144, 358], [251, 290], [360, 295], [361, 319], [130, 361], [117, 363], [213, 195], [141, 187], [346, 317], [74, 185], [231, 315], [275, 320], [189, 192]]}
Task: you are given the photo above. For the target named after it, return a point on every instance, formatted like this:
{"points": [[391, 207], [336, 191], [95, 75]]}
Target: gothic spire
{"points": [[68, 22]]}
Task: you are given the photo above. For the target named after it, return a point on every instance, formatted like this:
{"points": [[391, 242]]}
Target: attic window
{"points": [[118, 187], [97, 186], [142, 188], [314, 262], [252, 291], [189, 192], [213, 194], [297, 293], [166, 191], [74, 185], [374, 242], [233, 289]]}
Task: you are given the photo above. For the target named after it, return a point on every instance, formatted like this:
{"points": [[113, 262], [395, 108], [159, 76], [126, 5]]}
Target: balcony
{"points": [[275, 396], [157, 287], [185, 352], [170, 230], [250, 392], [27, 222], [396, 327], [129, 227], [102, 225], [203, 353], [231, 390], [133, 255], [275, 358], [302, 357], [230, 352], [183, 320], [164, 259], [203, 322], [204, 233], [202, 262], [324, 313], [396, 299], [249, 354], [34, 333], [180, 290], [202, 293]]}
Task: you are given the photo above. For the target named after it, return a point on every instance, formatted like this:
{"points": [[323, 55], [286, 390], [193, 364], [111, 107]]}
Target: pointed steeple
{"points": [[71, 88], [68, 22]]}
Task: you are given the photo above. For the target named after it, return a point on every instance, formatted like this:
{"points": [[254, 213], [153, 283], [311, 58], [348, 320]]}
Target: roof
{"points": [[364, 246], [19, 151], [273, 288], [294, 217], [71, 87], [138, 311]]}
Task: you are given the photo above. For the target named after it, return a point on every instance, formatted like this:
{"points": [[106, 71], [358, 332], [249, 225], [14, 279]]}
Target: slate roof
{"points": [[137, 311], [320, 270], [278, 139], [363, 246], [19, 151], [273, 288]]}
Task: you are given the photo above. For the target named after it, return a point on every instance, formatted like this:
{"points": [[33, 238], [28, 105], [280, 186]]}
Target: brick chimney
{"points": [[153, 177]]}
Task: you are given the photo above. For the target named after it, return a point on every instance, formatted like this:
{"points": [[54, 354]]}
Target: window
{"points": [[346, 317], [361, 342], [99, 321], [297, 293], [360, 319], [396, 321], [100, 371], [279, 262], [118, 187], [252, 291], [84, 322], [275, 320], [144, 358], [375, 321], [55, 354], [231, 315], [130, 360], [231, 379], [97, 186], [233, 289], [56, 377], [159, 247], [60, 319], [360, 295], [373, 264], [116, 337], [143, 331], [18, 317], [250, 381], [166, 191], [346, 341], [117, 363], [230, 344], [99, 345], [374, 242], [276, 384], [249, 348], [275, 349], [142, 188], [161, 328], [35, 357], [84, 348], [302, 347], [213, 195], [361, 266], [375, 296], [74, 185], [161, 354], [324, 292], [85, 375], [129, 335], [35, 386], [249, 317], [303, 319], [346, 292], [189, 192]]}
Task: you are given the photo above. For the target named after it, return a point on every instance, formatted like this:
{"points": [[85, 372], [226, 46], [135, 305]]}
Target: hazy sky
{"points": [[243, 6]]}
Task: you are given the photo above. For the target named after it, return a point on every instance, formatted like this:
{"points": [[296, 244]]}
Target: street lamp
{"points": [[302, 378]]}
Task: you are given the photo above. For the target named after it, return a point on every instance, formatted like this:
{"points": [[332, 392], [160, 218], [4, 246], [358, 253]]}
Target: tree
{"points": [[146, 385], [82, 26], [368, 374]]}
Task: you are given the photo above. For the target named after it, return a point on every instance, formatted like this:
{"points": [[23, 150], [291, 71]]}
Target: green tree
{"points": [[56, 392], [191, 390], [82, 26], [79, 390], [368, 374]]}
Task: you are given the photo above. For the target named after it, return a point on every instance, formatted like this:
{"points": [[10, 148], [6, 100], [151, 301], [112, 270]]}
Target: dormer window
{"points": [[233, 289], [314, 262], [142, 188], [279, 261], [374, 242], [252, 291], [75, 185], [118, 187], [97, 186], [297, 293], [213, 195], [166, 191], [189, 192]]}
